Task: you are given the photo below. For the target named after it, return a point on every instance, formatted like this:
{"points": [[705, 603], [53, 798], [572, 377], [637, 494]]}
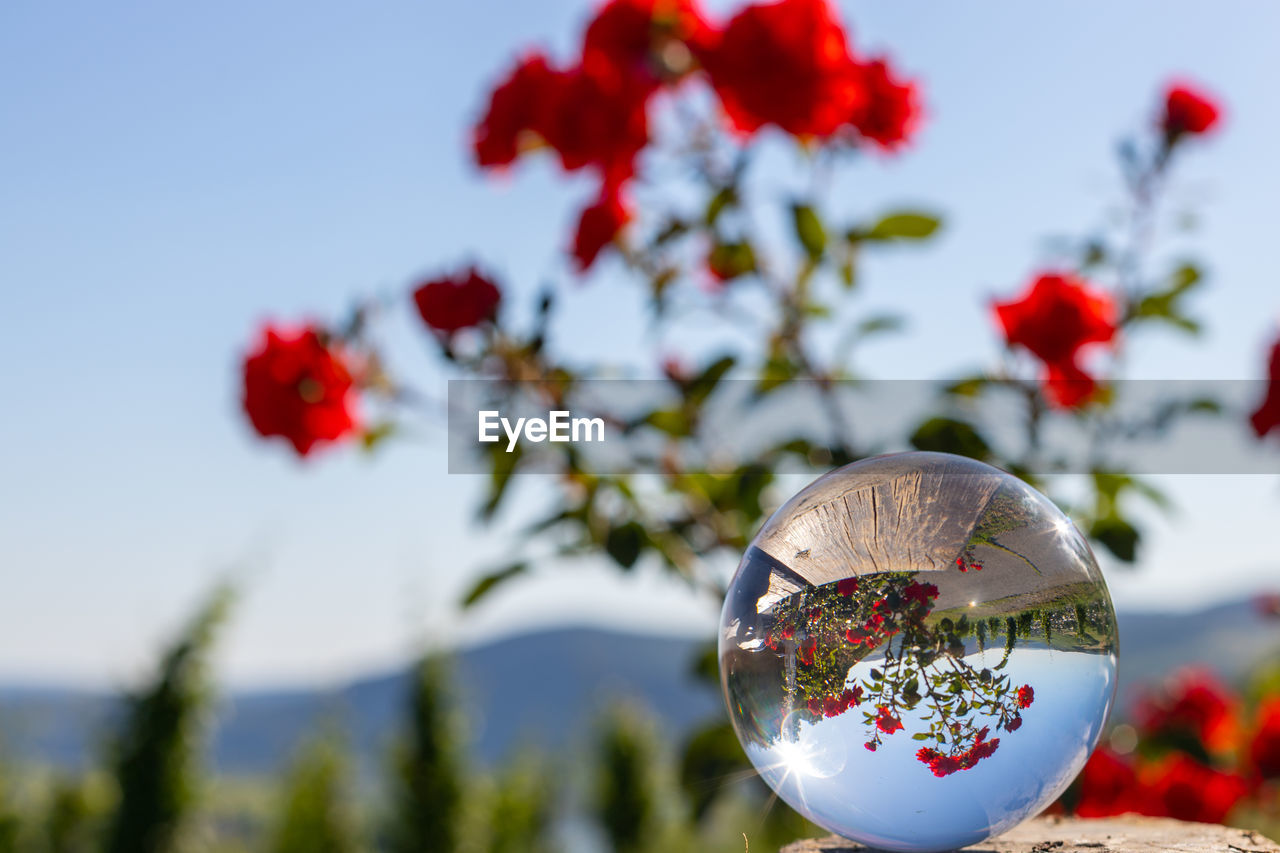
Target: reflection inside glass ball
{"points": [[918, 651]]}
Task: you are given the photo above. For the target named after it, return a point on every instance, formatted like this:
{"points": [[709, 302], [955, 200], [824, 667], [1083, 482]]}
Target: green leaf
{"points": [[373, 436], [673, 229], [729, 260], [948, 435], [921, 736], [1185, 277], [878, 323], [725, 197], [673, 422], [848, 268], [504, 465], [701, 387], [486, 584], [1119, 536], [809, 230], [1166, 304], [970, 387], [904, 225], [624, 543]]}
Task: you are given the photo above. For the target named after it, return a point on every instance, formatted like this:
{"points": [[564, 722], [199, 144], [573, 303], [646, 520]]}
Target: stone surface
{"points": [[1128, 834]]}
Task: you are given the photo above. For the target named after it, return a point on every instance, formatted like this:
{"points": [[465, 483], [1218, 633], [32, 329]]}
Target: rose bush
{"points": [[769, 73]]}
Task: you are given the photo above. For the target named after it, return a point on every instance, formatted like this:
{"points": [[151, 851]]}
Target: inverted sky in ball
{"points": [[918, 651]]}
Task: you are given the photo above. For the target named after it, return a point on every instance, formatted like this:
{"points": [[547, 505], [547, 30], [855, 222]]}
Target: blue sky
{"points": [[175, 174]]}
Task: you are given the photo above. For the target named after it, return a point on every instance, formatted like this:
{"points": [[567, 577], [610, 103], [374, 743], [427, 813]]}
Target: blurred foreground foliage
{"points": [[633, 793]]}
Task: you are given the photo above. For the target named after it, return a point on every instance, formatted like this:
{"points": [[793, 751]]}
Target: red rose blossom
{"points": [[297, 385], [598, 123], [518, 112], [1187, 111], [922, 594], [625, 41], [598, 226], [942, 764], [1267, 417], [886, 721], [785, 63], [1264, 749], [1183, 788], [452, 303], [1194, 703], [890, 110], [1109, 786], [806, 650], [1026, 695], [589, 120], [1057, 317]]}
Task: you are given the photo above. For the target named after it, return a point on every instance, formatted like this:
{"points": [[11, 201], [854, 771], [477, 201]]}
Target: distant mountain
{"points": [[545, 689]]}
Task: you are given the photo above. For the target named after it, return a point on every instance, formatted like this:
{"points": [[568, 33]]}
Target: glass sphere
{"points": [[918, 651]]}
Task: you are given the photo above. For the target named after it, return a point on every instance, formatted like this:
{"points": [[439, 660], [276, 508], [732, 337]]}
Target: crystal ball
{"points": [[918, 651]]}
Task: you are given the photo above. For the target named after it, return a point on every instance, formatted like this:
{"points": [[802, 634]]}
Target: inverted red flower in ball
{"points": [[1055, 319], [886, 721], [297, 385], [452, 303]]}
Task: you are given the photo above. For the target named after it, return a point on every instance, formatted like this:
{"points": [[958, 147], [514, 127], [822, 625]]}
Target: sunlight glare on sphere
{"points": [[918, 651]]}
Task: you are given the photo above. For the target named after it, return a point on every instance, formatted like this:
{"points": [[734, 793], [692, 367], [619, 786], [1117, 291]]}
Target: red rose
{"points": [[1057, 317], [630, 40], [1264, 750], [598, 226], [922, 594], [890, 110], [1187, 111], [886, 721], [1026, 695], [1193, 702], [518, 112], [297, 385], [1109, 786], [1013, 725], [599, 123], [1185, 789], [1267, 417], [452, 303], [785, 63], [589, 120]]}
